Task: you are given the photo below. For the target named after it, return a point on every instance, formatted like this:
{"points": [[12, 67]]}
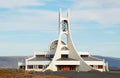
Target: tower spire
{"points": [[60, 15], [68, 13]]}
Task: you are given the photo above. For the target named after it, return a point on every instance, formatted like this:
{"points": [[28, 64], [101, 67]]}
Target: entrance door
{"points": [[66, 68]]}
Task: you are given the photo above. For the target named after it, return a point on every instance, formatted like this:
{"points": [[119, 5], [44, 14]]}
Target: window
{"points": [[64, 56], [84, 55], [40, 55], [30, 66], [40, 66], [91, 65], [22, 67], [100, 66], [73, 67], [51, 56]]}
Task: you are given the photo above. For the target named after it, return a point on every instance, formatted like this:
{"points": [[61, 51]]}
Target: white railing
{"points": [[67, 63]]}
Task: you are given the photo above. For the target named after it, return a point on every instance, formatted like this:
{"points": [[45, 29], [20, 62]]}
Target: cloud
{"points": [[78, 4], [106, 13], [26, 19], [105, 17], [95, 4], [16, 17], [48, 20], [41, 15], [12, 4]]}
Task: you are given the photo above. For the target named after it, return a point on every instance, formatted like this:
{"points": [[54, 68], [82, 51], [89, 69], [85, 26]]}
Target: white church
{"points": [[62, 54]]}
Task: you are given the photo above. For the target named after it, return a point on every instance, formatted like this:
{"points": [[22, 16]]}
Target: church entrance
{"points": [[66, 68]]}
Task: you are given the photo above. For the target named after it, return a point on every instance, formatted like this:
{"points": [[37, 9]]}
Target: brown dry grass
{"points": [[4, 73]]}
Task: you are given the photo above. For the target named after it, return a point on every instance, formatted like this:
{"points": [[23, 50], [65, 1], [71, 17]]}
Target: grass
{"points": [[5, 73]]}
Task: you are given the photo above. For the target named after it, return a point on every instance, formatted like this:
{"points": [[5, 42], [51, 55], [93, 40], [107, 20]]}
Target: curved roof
{"points": [[64, 48], [53, 45], [40, 59]]}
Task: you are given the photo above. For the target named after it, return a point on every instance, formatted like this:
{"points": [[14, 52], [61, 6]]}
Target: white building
{"points": [[62, 55]]}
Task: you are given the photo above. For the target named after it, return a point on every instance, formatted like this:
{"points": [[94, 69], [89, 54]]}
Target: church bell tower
{"points": [[65, 49]]}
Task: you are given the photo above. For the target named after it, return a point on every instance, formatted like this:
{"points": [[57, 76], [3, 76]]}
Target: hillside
{"points": [[11, 62], [114, 63]]}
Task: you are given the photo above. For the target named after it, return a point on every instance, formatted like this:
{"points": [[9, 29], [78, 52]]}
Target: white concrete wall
{"points": [[95, 62], [67, 63], [37, 62], [65, 52]]}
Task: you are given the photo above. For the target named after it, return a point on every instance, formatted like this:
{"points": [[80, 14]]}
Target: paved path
{"points": [[83, 74]]}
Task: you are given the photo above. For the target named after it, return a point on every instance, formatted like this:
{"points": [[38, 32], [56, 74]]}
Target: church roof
{"points": [[90, 58], [40, 59]]}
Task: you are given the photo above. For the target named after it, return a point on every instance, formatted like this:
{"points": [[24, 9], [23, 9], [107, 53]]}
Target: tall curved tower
{"points": [[62, 55], [66, 56]]}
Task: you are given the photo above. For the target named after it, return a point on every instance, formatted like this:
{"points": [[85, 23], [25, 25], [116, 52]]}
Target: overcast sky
{"points": [[30, 25]]}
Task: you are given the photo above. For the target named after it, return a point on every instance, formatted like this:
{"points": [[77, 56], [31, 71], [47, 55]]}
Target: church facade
{"points": [[62, 55]]}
